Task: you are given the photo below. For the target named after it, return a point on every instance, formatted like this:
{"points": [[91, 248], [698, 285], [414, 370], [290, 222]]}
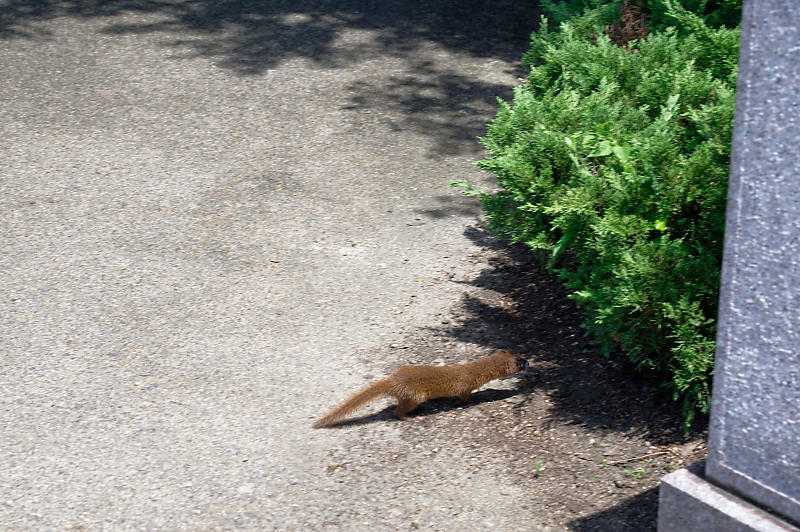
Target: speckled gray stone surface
{"points": [[209, 212], [755, 424], [754, 436], [688, 503]]}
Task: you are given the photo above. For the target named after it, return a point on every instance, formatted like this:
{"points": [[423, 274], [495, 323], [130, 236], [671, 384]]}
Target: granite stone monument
{"points": [[751, 480]]}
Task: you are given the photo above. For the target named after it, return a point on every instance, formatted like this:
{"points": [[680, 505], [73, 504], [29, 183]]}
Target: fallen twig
{"points": [[648, 455]]}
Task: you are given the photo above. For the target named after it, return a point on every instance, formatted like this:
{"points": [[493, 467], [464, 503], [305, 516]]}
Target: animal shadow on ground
{"points": [[434, 406]]}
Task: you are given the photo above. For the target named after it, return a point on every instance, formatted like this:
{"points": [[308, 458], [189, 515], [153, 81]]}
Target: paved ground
{"points": [[212, 214]]}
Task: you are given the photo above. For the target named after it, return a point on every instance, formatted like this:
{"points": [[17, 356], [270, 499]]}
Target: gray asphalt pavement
{"points": [[212, 212]]}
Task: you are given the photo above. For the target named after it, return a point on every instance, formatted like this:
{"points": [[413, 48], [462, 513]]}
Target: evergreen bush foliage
{"points": [[715, 13], [614, 160]]}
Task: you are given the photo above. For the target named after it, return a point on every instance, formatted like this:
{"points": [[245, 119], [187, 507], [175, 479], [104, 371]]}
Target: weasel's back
{"points": [[430, 382]]}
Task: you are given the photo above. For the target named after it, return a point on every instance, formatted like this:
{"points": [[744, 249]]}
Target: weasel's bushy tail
{"points": [[360, 398]]}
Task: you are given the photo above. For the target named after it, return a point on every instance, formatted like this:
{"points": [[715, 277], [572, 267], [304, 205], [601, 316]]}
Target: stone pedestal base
{"points": [[689, 503]]}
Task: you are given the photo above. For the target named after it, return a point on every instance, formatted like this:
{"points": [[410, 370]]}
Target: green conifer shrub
{"points": [[715, 13], [613, 160]]}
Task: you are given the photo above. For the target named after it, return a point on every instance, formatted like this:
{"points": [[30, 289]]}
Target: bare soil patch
{"points": [[584, 435]]}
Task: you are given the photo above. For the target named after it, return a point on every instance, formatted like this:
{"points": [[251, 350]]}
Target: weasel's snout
{"points": [[522, 364]]}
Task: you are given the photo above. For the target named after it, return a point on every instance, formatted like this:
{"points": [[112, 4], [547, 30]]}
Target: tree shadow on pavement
{"points": [[427, 99], [251, 36], [455, 205], [447, 99]]}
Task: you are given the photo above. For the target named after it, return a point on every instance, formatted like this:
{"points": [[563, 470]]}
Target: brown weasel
{"points": [[413, 385]]}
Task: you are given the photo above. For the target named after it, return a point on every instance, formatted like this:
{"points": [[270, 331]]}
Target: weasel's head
{"points": [[513, 363]]}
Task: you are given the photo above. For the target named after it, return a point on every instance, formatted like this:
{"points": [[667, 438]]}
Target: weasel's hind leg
{"points": [[404, 406]]}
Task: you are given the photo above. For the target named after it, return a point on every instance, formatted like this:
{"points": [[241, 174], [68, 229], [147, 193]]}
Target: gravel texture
{"points": [[221, 218], [208, 208]]}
